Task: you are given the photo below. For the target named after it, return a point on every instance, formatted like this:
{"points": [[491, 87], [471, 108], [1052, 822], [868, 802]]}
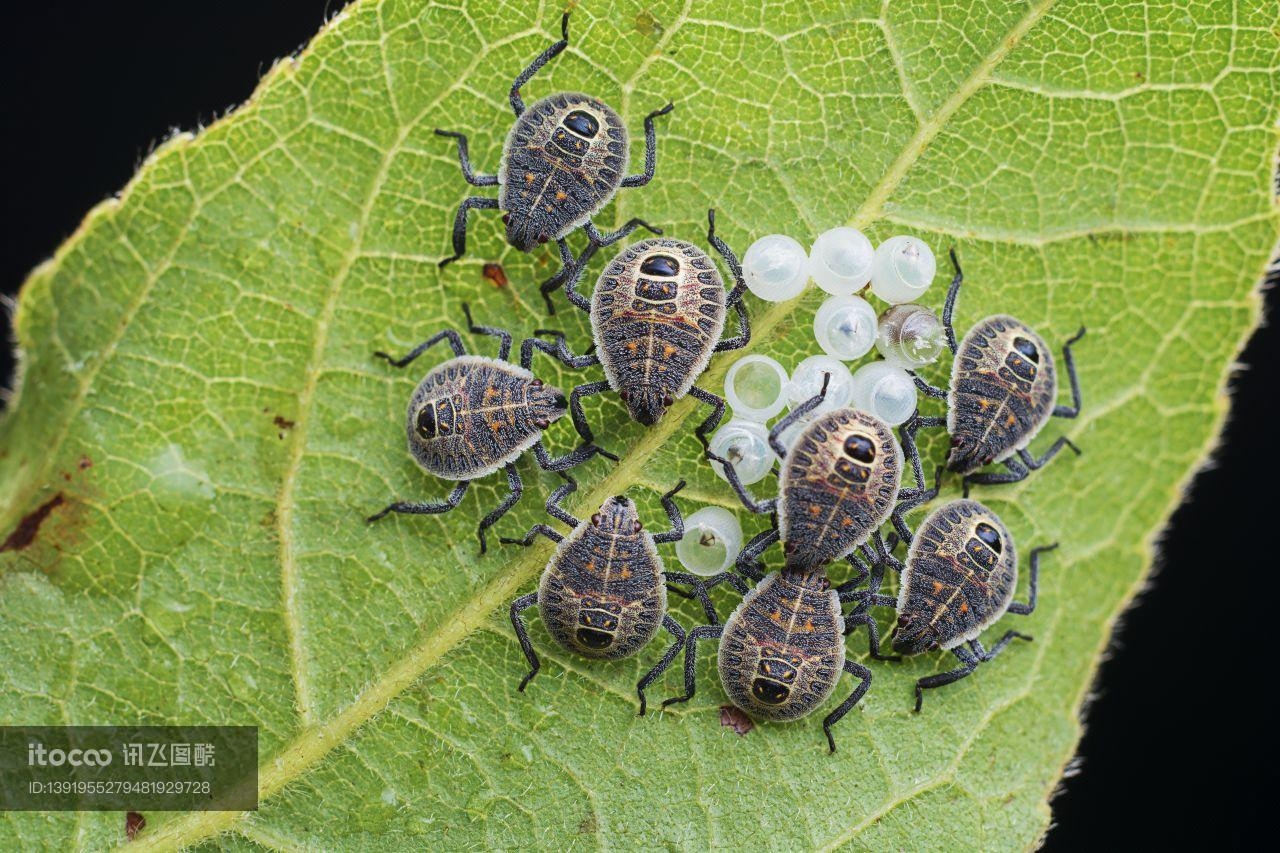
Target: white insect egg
{"points": [[746, 445], [806, 381], [910, 336], [902, 270], [885, 391], [711, 542], [840, 261], [755, 387], [845, 327], [776, 268]]}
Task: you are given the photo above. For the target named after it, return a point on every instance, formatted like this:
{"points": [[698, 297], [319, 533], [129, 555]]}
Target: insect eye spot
{"points": [[583, 124], [860, 447], [595, 520], [663, 265], [989, 535], [1027, 350]]}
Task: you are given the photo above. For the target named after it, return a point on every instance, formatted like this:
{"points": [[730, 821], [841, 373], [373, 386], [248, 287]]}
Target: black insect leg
{"points": [[572, 459], [748, 564], [575, 407], [721, 247], [1009, 636], [1017, 472], [568, 487], [1069, 360], [701, 586], [673, 627], [475, 202], [907, 437], [713, 420], [775, 434], [929, 390], [862, 617], [673, 515], [909, 499], [517, 104], [650, 149], [1033, 463], [1026, 609], [702, 632], [949, 306], [455, 343], [566, 268], [464, 160], [743, 337], [574, 278], [763, 507], [513, 496], [532, 535], [522, 603], [858, 671], [503, 336], [968, 662], [559, 350], [599, 239], [435, 508]]}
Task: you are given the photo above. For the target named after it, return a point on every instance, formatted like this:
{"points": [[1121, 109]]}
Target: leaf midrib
{"points": [[315, 742]]}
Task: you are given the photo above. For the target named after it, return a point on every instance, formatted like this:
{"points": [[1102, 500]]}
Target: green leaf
{"points": [[201, 418]]}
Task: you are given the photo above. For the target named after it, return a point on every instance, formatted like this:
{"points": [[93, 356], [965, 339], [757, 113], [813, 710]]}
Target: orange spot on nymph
{"points": [[964, 607], [561, 195]]}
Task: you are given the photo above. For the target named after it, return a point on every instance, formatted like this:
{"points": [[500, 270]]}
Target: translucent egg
{"points": [[840, 261], [746, 445], [711, 542], [755, 387], [806, 381], [845, 327], [910, 336], [902, 270], [885, 391], [776, 268]]}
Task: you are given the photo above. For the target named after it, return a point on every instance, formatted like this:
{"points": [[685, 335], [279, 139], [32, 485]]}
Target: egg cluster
{"points": [[845, 264]]}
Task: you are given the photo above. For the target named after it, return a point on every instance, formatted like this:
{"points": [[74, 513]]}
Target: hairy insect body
{"points": [[840, 481], [565, 157], [960, 575], [472, 415], [657, 313], [602, 594], [782, 650], [1003, 392]]}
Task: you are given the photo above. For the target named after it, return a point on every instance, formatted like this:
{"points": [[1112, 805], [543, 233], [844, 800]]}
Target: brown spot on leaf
{"points": [[85, 463], [496, 274], [283, 422], [27, 530], [134, 823], [588, 825], [733, 717]]}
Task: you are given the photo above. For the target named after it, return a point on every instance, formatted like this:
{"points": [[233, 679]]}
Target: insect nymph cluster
{"points": [[863, 536]]}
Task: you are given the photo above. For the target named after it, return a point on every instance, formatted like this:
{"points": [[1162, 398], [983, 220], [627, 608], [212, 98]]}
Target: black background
{"points": [[1176, 749]]}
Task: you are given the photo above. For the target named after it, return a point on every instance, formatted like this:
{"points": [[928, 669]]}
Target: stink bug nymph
{"points": [[472, 415], [1004, 389], [782, 651], [840, 481], [958, 580], [564, 159], [657, 316], [603, 594]]}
